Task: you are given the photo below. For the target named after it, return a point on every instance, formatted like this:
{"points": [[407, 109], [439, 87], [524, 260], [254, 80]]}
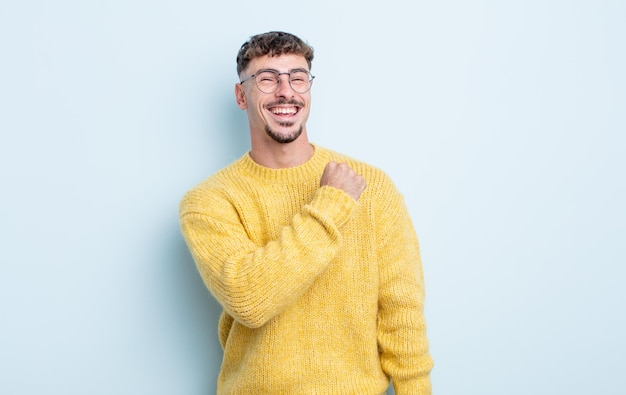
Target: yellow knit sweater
{"points": [[321, 294]]}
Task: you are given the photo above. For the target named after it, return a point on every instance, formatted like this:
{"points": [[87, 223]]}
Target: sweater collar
{"points": [[314, 167]]}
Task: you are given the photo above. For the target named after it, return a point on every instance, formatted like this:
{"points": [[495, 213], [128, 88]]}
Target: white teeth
{"points": [[281, 110]]}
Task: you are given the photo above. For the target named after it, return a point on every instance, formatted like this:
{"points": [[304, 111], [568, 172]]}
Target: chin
{"points": [[284, 138]]}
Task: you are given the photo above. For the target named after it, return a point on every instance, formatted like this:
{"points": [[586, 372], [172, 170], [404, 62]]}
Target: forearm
{"points": [[255, 283]]}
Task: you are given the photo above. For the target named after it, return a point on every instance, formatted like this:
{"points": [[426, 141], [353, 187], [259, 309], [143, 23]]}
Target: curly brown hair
{"points": [[272, 44]]}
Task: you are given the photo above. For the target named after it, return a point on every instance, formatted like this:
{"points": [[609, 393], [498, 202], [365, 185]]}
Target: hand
{"points": [[341, 176]]}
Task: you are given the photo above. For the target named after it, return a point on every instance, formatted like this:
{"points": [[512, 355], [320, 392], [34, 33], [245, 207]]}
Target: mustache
{"points": [[282, 102]]}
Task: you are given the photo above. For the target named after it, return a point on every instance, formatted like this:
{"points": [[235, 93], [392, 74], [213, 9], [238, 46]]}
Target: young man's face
{"points": [[282, 114]]}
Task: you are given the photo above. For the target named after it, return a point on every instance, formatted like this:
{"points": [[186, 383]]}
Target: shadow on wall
{"points": [[229, 135], [228, 139], [203, 312]]}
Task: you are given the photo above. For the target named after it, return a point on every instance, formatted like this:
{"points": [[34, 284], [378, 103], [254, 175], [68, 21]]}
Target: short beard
{"points": [[290, 138]]}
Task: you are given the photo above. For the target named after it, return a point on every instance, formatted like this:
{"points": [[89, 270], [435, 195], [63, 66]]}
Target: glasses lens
{"points": [[267, 81], [300, 81]]}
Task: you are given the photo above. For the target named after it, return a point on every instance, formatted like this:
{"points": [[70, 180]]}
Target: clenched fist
{"points": [[341, 176]]}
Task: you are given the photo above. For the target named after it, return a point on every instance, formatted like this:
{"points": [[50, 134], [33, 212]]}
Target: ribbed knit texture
{"points": [[321, 294]]}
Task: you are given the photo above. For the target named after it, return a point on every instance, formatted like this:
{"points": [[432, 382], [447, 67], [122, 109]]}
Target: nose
{"points": [[284, 87]]}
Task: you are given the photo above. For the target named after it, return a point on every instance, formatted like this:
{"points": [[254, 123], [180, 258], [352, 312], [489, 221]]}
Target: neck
{"points": [[280, 156]]}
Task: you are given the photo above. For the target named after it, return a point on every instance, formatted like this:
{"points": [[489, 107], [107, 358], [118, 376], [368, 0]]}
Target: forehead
{"points": [[282, 63]]}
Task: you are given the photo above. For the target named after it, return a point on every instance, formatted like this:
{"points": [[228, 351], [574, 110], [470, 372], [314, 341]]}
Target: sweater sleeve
{"points": [[401, 325], [254, 283]]}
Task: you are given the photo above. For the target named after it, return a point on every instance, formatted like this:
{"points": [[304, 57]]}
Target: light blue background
{"points": [[502, 122]]}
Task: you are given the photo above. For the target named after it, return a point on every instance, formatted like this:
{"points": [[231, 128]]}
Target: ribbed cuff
{"points": [[333, 205]]}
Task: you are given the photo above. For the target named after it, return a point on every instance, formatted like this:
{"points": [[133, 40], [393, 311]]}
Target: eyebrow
{"points": [[277, 71]]}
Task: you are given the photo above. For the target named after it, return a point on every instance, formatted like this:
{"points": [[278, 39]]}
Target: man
{"points": [[311, 254]]}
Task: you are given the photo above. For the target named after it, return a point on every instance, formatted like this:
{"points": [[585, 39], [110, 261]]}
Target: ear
{"points": [[240, 96]]}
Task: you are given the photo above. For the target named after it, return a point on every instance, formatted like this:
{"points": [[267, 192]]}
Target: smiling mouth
{"points": [[284, 111], [285, 108]]}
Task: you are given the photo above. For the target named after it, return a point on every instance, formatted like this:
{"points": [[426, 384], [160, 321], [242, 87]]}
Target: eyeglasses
{"points": [[268, 80]]}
